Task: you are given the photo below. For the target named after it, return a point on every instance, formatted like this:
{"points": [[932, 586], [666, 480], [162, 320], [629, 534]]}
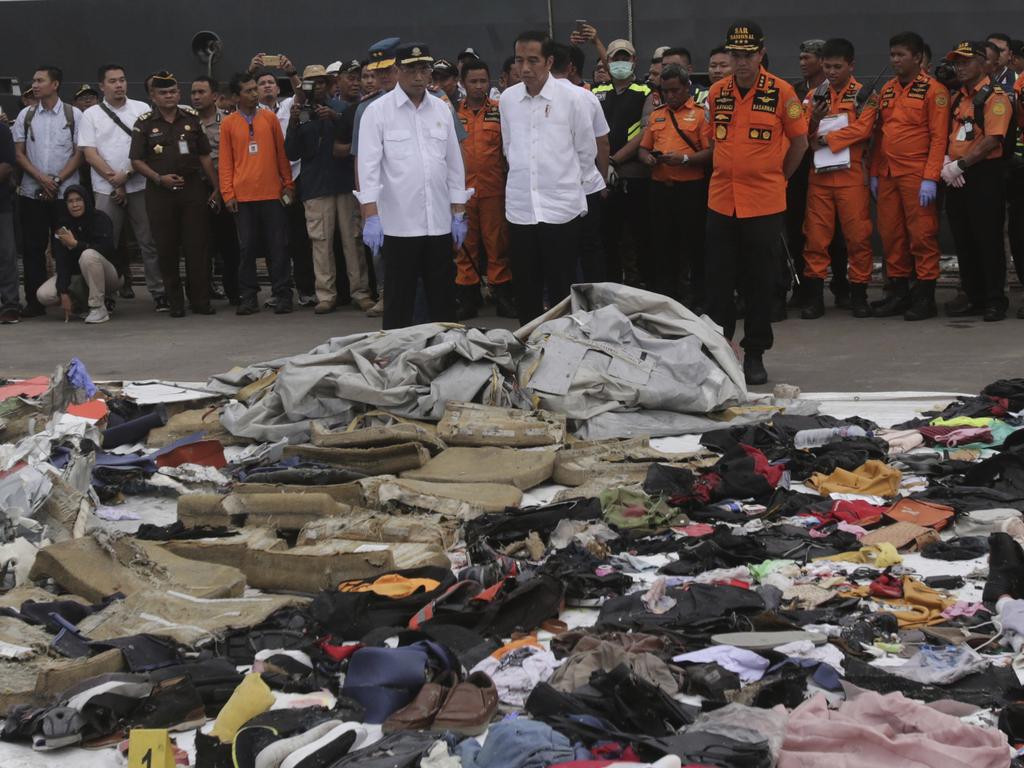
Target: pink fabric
{"points": [[891, 731]]}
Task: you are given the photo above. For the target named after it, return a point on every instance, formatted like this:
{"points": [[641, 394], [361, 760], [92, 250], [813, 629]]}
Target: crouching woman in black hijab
{"points": [[83, 244]]}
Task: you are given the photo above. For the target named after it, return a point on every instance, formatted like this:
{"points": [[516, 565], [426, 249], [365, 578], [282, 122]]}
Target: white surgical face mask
{"points": [[621, 70]]}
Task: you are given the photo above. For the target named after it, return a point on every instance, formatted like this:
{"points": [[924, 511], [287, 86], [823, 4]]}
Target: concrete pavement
{"points": [[836, 352]]}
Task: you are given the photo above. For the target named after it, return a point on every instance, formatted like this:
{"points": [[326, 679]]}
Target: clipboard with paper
{"points": [[825, 160]]}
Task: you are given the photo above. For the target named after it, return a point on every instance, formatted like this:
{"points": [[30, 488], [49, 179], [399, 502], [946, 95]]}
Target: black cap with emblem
{"points": [[744, 37]]}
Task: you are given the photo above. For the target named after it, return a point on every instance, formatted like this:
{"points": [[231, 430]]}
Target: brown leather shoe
{"points": [[419, 713], [469, 707]]}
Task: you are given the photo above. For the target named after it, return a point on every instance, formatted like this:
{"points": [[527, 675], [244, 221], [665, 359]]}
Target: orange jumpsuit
{"points": [[840, 192], [910, 124], [485, 211]]}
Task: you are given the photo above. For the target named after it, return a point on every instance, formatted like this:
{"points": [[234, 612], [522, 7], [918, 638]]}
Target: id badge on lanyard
{"points": [[253, 147]]}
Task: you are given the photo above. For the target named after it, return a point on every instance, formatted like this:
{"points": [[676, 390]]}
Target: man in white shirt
{"points": [[46, 146], [105, 138], [549, 143], [412, 187], [567, 60]]}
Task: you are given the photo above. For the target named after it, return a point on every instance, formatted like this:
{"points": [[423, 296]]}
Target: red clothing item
{"points": [[253, 164]]}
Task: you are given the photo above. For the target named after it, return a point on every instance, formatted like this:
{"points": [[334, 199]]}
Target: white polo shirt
{"points": [[101, 133]]}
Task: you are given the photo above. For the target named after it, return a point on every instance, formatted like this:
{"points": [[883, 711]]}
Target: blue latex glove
{"points": [[926, 196], [459, 228], [373, 235], [873, 186]]}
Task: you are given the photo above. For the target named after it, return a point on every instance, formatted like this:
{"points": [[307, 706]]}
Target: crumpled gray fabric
{"points": [[410, 372], [615, 360], [609, 351]]}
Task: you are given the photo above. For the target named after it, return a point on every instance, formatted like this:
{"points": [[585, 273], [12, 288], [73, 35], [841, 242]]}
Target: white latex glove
{"points": [[953, 174]]}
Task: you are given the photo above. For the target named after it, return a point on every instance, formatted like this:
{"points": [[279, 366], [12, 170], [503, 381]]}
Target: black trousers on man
{"points": [[300, 250], [678, 223], [743, 253], [224, 244], [544, 263], [976, 213], [178, 221], [628, 207], [408, 260], [263, 228], [38, 218], [1015, 219], [592, 258]]}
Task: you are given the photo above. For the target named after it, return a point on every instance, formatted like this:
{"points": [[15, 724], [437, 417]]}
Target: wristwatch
{"points": [[56, 180]]}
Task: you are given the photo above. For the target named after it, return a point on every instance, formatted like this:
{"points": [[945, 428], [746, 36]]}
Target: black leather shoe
{"points": [[753, 369], [177, 311], [207, 310], [247, 308], [961, 306], [994, 314]]}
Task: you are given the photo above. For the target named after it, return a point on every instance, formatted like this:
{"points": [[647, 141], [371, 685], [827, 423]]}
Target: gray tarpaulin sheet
{"points": [[615, 360]]}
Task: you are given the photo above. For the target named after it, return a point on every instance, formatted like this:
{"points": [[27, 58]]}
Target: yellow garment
{"points": [[879, 556], [962, 421], [920, 606], [872, 478], [391, 585], [252, 697]]}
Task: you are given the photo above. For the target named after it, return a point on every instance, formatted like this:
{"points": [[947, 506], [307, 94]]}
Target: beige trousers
{"points": [[323, 214], [99, 274]]}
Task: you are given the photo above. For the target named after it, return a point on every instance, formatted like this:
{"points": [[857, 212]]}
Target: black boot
{"points": [[753, 369], [467, 302], [505, 300], [898, 300], [814, 299], [859, 300], [922, 302]]}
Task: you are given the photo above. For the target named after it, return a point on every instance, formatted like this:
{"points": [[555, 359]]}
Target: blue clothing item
{"points": [[79, 378], [517, 744], [312, 142]]}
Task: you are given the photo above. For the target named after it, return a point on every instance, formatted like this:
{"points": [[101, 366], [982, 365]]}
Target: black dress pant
{"points": [[744, 254], [976, 213], [179, 223], [1015, 219], [38, 218], [224, 243], [408, 260], [592, 259], [627, 207], [678, 222], [300, 250], [543, 262]]}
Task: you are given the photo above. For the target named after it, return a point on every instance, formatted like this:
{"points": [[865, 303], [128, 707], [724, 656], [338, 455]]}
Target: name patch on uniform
{"points": [[725, 103], [659, 119], [918, 90], [761, 134], [767, 101], [492, 116]]}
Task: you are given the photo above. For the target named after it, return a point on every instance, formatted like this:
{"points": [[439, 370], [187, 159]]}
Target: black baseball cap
{"points": [[744, 37], [444, 68]]}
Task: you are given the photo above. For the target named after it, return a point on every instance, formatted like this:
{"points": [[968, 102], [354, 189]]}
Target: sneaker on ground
{"points": [[126, 291], [307, 300], [270, 303], [365, 304], [97, 315], [162, 304], [376, 310], [10, 316]]}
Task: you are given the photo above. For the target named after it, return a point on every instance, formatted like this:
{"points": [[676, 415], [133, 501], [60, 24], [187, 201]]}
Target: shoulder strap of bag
{"points": [[117, 120], [683, 136]]}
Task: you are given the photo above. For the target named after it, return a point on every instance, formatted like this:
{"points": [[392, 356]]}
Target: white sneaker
{"points": [[98, 315], [376, 310]]}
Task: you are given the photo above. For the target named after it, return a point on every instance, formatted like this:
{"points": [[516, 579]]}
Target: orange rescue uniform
{"points": [[910, 124], [751, 133], [965, 130], [662, 136], [485, 211], [841, 192]]}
